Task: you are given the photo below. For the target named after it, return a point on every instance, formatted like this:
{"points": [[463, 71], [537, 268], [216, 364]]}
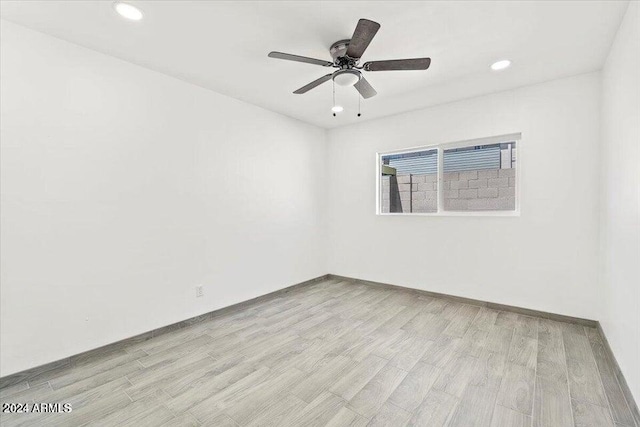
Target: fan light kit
{"points": [[346, 56], [500, 65], [128, 11]]}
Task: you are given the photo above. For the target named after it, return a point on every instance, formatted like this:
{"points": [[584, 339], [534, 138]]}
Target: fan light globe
{"points": [[346, 78], [128, 11], [500, 65], [337, 109]]}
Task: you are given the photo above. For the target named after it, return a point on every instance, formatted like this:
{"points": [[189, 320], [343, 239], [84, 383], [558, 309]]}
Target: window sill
{"points": [[457, 213]]}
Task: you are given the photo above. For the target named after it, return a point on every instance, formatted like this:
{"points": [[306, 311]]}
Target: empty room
{"points": [[320, 213]]}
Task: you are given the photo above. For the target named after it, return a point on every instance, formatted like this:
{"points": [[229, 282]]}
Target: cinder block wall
{"points": [[487, 189]]}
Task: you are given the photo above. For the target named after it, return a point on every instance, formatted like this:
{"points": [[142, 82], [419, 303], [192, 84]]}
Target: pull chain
{"points": [[334, 97], [359, 104]]}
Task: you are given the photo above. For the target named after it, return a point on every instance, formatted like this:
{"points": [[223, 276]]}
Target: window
{"points": [[458, 178]]}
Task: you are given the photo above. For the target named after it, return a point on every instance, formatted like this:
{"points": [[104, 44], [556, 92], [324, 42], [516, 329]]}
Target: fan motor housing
{"points": [[339, 49]]}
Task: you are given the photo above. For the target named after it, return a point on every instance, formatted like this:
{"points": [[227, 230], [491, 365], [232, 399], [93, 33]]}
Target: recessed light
{"points": [[500, 65], [337, 109], [128, 11]]}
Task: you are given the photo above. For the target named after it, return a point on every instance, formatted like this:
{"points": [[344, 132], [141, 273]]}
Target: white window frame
{"points": [[517, 137]]}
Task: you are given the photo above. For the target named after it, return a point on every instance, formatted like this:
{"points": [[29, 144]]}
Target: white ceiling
{"points": [[223, 46]]}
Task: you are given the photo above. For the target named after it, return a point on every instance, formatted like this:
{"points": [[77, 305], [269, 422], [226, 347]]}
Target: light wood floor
{"points": [[343, 354]]}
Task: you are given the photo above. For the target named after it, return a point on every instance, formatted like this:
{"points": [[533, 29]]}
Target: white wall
{"points": [[546, 259], [620, 156], [123, 188]]}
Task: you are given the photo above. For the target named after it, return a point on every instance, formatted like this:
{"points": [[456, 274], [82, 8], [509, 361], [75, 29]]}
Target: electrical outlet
{"points": [[199, 291]]}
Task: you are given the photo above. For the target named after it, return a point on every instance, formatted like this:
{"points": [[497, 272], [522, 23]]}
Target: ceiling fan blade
{"points": [[398, 64], [306, 88], [362, 36], [365, 89], [298, 58]]}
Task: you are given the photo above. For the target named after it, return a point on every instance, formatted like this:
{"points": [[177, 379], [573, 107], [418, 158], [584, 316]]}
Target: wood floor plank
{"points": [[473, 341], [426, 325], [277, 409], [205, 406], [260, 398], [459, 324], [523, 351], [390, 415], [414, 387], [486, 319], [588, 415], [617, 403], [499, 340], [488, 370], [552, 405], [410, 353], [455, 375], [241, 375], [318, 412], [551, 362], [354, 380], [347, 418], [442, 351], [577, 347], [475, 408], [516, 391], [370, 399], [549, 333], [435, 410], [584, 382], [505, 417], [312, 386]]}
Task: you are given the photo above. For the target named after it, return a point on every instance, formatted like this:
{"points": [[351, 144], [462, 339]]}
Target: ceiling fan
{"points": [[346, 56]]}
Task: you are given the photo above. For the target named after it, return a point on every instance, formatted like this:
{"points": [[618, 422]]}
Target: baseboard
{"points": [[25, 375], [626, 391], [488, 304]]}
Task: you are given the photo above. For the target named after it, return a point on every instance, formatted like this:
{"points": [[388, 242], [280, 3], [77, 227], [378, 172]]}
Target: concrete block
{"points": [[487, 192], [432, 177], [456, 185], [512, 182], [450, 176], [404, 187], [431, 195], [404, 179], [507, 203], [488, 173], [451, 194], [427, 186], [478, 183], [468, 193], [469, 175], [446, 185], [418, 195], [498, 182], [510, 173], [497, 204], [456, 204], [483, 204], [424, 206], [507, 192]]}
